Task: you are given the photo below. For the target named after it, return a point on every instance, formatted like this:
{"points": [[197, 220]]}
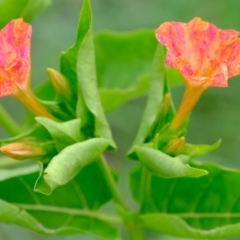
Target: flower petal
{"points": [[173, 36], [14, 56], [230, 55], [201, 51], [219, 74], [227, 36], [180, 63]]}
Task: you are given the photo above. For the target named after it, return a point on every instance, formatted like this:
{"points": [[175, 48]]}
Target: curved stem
{"points": [[7, 122], [135, 231], [112, 184]]}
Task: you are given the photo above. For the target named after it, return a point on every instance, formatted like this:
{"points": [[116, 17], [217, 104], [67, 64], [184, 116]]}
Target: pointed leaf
{"points": [[155, 98], [64, 134], [199, 150], [64, 166], [68, 59], [78, 65], [87, 79], [164, 165]]}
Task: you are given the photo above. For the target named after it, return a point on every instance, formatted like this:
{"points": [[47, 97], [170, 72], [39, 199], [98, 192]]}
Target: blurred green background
{"points": [[217, 115]]}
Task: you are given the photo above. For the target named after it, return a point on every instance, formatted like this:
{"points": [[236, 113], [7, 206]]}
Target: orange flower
{"points": [[14, 57], [15, 65], [204, 54]]}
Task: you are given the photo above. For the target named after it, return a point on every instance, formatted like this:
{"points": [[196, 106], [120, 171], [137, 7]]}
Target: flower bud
{"points": [[175, 146], [22, 151], [60, 83]]}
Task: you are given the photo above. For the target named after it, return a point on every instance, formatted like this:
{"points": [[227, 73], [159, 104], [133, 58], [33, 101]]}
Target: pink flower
{"points": [[14, 57], [15, 65], [204, 54]]}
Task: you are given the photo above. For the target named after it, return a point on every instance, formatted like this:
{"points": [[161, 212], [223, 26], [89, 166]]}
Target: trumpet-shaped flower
{"points": [[15, 65], [14, 57], [203, 53]]}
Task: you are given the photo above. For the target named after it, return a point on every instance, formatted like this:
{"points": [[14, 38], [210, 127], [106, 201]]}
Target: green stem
{"points": [[71, 211], [7, 122], [135, 231], [144, 185], [112, 184]]}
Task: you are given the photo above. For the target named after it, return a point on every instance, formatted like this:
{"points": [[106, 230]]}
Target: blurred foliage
{"points": [[216, 115]]}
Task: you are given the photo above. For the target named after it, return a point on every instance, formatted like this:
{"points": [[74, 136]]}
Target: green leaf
{"points": [[175, 226], [10, 168], [207, 207], [78, 63], [68, 59], [71, 209], [164, 165], [86, 73], [156, 93], [64, 134], [122, 59], [115, 97], [199, 150], [66, 165], [68, 63], [26, 9]]}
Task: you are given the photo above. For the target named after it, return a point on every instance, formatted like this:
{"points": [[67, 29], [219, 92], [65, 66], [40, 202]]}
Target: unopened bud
{"points": [[22, 151], [60, 83], [175, 146]]}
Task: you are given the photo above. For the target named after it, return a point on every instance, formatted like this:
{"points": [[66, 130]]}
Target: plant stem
{"points": [[144, 184], [72, 211], [7, 122], [135, 231], [112, 184]]}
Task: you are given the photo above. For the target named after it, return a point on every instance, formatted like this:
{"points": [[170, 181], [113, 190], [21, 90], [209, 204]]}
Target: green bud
{"points": [[60, 83]]}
